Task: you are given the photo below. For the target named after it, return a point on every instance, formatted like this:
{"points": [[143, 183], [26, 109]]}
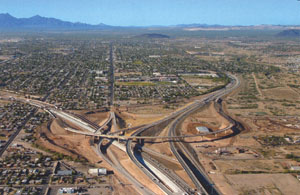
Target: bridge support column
{"points": [[95, 139]]}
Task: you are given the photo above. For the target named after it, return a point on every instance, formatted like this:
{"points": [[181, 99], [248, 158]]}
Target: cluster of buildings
{"points": [[12, 117], [97, 171], [61, 72], [24, 166], [20, 191], [163, 87]]}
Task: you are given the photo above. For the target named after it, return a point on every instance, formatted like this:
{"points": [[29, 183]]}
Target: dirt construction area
{"points": [[59, 140], [56, 138]]}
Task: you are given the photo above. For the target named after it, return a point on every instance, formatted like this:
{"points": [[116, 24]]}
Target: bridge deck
{"points": [[147, 137]]}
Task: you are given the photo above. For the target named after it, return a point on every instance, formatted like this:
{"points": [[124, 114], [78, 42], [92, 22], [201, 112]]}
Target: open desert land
{"points": [[252, 151], [261, 96], [264, 183]]}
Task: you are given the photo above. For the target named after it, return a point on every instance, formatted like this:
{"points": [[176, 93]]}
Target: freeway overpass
{"points": [[137, 137]]}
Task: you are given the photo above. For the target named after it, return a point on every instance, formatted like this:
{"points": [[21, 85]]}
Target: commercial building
{"points": [[97, 172], [202, 129]]}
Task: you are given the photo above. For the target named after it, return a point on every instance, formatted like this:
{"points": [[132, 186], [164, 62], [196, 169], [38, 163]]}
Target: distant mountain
{"points": [[153, 36], [7, 20], [197, 25], [38, 22], [290, 33]]}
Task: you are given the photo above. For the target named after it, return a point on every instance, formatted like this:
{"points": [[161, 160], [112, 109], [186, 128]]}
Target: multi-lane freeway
{"points": [[156, 175], [114, 163], [202, 182], [196, 173]]}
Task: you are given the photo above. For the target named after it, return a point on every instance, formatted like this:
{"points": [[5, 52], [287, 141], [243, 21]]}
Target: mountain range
{"points": [[8, 22], [38, 22]]}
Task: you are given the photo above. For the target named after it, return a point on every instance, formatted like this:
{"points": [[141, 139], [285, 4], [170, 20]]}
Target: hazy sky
{"points": [[159, 12]]}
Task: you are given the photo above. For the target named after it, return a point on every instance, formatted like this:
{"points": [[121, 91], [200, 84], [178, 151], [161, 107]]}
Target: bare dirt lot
{"points": [[281, 93], [264, 184], [208, 116], [133, 119], [226, 166], [58, 139]]}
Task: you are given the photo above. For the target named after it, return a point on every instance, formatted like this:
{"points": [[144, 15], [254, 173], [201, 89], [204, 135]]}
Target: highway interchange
{"points": [[164, 178], [155, 171]]}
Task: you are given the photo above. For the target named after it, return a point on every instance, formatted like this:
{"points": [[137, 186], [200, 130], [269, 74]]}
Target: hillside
{"points": [[290, 33]]}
